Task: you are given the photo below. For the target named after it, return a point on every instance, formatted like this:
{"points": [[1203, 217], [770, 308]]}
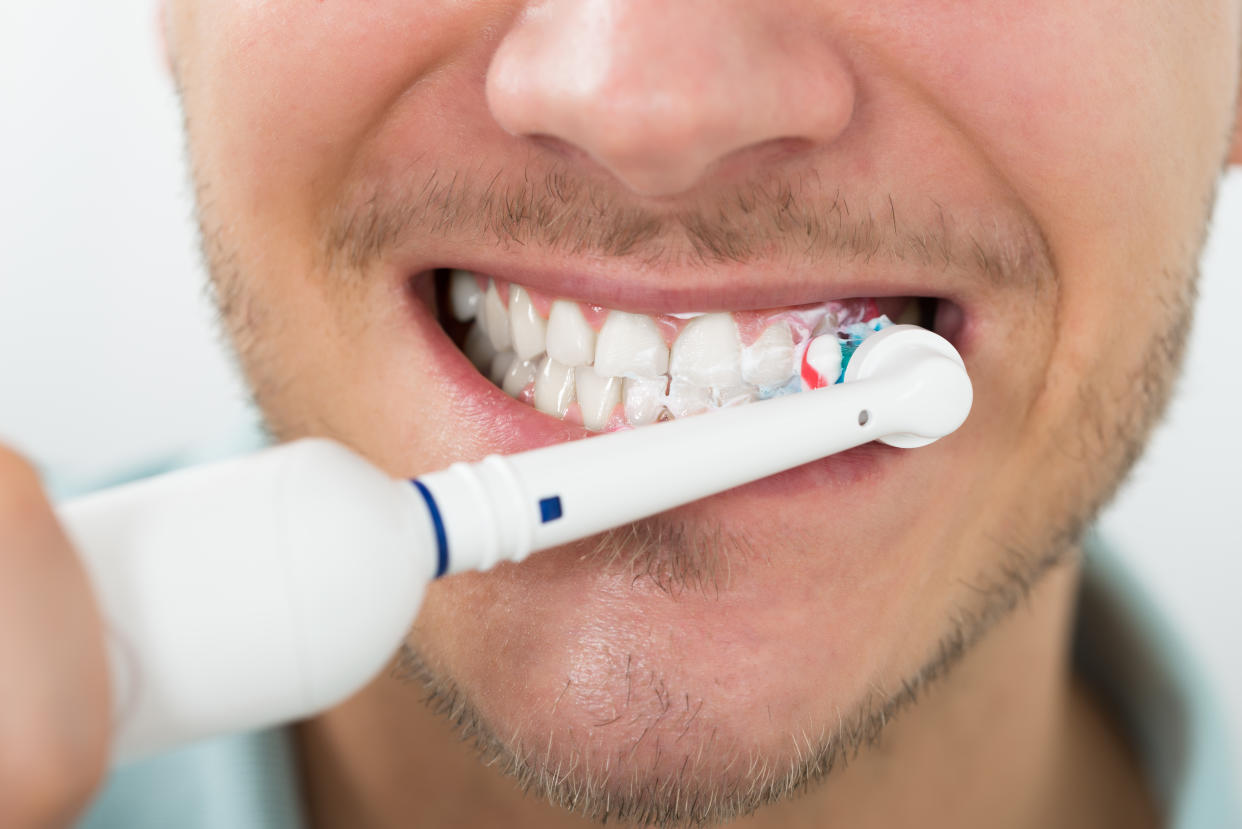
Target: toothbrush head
{"points": [[938, 374]]}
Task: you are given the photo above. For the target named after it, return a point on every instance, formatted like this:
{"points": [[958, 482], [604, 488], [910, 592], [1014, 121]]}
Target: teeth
{"points": [[769, 361], [628, 365], [644, 399], [828, 325], [526, 327], [630, 345], [687, 398], [520, 375], [911, 314], [464, 295], [495, 319], [554, 387], [734, 396], [708, 353], [500, 366], [597, 396], [571, 340], [824, 356], [478, 347]]}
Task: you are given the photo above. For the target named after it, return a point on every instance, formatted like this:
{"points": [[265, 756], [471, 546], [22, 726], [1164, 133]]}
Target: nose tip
{"points": [[659, 97]]}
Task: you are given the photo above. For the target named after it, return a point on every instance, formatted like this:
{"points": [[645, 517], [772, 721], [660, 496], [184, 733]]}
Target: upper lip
{"points": [[656, 289]]}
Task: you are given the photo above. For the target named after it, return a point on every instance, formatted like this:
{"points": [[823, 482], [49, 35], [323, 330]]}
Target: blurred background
{"points": [[109, 355]]}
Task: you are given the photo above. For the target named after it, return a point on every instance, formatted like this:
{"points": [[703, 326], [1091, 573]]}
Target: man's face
{"points": [[1043, 170]]}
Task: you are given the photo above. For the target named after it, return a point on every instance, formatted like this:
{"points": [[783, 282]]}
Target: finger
{"points": [[54, 696]]}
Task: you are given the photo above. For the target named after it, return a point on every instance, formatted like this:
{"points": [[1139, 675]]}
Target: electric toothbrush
{"points": [[265, 589]]}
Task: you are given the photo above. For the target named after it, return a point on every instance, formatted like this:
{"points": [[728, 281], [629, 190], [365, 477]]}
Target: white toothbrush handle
{"points": [[905, 386], [251, 592]]}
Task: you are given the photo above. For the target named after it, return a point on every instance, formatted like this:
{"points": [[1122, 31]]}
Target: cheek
{"points": [[280, 94], [1107, 119], [1105, 116]]}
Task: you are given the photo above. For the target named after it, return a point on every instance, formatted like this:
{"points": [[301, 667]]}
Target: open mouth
{"points": [[607, 369]]}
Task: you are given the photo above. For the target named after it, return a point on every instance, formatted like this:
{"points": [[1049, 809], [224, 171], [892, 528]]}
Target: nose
{"points": [[658, 92]]}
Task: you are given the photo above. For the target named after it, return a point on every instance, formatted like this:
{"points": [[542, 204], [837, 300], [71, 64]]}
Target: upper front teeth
{"points": [[769, 361], [571, 339], [562, 364], [708, 353], [630, 345]]}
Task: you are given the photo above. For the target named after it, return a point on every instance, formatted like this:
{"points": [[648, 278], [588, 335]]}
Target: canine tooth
{"points": [[823, 354], [571, 340], [528, 330], [630, 345], [708, 352], [769, 361], [644, 399], [687, 398], [554, 387], [495, 319], [519, 376], [464, 295], [478, 347], [598, 395], [500, 366]]}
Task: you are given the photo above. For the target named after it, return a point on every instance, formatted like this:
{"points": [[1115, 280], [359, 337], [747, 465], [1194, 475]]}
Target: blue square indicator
{"points": [[550, 509]]}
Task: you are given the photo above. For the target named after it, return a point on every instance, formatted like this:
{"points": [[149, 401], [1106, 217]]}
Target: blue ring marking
{"points": [[550, 509], [442, 555]]}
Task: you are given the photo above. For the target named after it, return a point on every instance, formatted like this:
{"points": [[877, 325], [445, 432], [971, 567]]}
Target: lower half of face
{"points": [[739, 638]]}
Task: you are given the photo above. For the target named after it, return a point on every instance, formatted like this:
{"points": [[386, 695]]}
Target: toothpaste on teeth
{"points": [[821, 362]]}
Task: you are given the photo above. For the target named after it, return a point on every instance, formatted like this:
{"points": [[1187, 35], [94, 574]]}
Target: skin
{"points": [[1037, 164]]}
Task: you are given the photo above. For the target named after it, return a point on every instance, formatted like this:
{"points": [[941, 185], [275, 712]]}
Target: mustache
{"points": [[799, 219]]}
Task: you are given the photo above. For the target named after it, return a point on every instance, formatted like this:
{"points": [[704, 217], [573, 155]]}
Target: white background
{"points": [[108, 353]]}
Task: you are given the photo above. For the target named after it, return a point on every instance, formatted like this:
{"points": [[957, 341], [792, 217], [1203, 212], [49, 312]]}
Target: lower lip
{"points": [[507, 426]]}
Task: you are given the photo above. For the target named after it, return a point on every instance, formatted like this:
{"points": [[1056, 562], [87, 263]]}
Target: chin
{"points": [[697, 657]]}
